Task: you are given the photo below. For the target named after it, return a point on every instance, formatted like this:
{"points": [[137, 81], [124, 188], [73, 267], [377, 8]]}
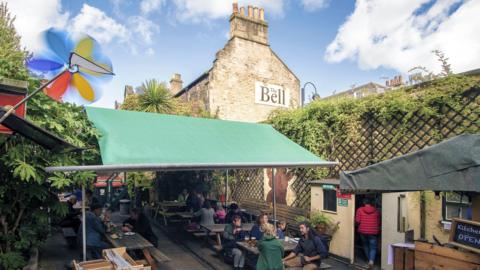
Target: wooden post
{"points": [[476, 207]]}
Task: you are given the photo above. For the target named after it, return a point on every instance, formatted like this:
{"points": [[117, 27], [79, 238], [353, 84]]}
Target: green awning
{"points": [[147, 141], [452, 165]]}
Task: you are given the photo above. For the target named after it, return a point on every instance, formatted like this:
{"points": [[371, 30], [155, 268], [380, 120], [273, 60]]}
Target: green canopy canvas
{"points": [[138, 141], [135, 141], [452, 165]]}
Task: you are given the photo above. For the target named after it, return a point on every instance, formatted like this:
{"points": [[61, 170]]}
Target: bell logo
{"points": [[270, 94]]}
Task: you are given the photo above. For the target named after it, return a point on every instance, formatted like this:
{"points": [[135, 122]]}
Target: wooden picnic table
{"points": [[219, 228], [164, 208], [171, 204], [287, 246], [185, 215], [134, 242]]}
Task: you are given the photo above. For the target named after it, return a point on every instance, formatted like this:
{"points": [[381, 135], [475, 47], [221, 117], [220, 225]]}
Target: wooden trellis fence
{"points": [[378, 139]]}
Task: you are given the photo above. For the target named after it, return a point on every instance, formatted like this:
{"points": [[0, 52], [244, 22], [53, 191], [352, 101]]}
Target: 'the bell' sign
{"points": [[270, 94]]}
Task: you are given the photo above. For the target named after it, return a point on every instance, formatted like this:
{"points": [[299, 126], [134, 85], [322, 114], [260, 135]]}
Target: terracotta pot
{"points": [[321, 228]]}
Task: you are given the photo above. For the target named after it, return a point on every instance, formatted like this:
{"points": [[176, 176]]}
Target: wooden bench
{"points": [[255, 207], [158, 255], [289, 214]]}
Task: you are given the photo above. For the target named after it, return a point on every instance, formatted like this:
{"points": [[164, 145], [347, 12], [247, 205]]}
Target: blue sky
{"points": [[333, 43]]}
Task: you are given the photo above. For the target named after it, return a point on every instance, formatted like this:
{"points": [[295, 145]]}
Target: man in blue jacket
{"points": [[95, 230], [309, 252]]}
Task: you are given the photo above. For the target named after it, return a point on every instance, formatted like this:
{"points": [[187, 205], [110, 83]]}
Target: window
{"points": [[456, 205], [330, 200]]}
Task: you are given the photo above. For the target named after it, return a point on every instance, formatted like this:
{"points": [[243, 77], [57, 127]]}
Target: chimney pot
{"points": [[235, 7], [262, 14], [250, 11], [255, 13], [242, 11], [176, 83]]}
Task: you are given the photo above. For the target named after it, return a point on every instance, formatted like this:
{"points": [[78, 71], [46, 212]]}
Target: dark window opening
{"points": [[330, 200]]}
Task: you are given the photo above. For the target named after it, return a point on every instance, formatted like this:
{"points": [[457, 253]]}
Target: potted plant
{"points": [[323, 224]]}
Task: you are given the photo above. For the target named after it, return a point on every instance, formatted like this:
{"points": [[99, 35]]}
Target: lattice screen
{"points": [[378, 140]]}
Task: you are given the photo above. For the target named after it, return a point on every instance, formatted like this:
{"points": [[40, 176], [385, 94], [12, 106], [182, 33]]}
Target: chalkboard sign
{"points": [[465, 234]]}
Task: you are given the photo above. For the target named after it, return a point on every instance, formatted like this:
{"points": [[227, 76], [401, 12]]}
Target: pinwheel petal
{"points": [[43, 65], [57, 88], [85, 47], [59, 43], [83, 87]]}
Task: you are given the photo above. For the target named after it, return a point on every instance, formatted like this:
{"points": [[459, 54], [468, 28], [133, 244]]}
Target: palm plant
{"points": [[155, 98]]}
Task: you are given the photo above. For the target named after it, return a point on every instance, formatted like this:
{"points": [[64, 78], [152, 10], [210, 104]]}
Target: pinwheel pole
{"points": [[25, 99]]}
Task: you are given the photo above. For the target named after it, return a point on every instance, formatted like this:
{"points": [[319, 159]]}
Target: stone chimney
{"points": [[251, 26], [176, 83], [128, 91]]}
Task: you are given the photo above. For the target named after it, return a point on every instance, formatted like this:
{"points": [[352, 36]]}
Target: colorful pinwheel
{"points": [[75, 69]]}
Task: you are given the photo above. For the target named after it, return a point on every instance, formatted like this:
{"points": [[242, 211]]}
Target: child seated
{"points": [[220, 213], [281, 225]]}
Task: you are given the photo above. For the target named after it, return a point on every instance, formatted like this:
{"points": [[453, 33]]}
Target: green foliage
{"points": [[322, 124], [26, 191], [12, 260], [319, 219], [315, 219], [155, 97], [12, 55]]}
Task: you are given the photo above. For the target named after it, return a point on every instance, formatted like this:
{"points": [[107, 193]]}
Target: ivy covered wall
{"points": [[359, 132]]}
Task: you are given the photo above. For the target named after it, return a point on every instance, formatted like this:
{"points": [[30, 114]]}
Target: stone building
{"points": [[247, 80]]}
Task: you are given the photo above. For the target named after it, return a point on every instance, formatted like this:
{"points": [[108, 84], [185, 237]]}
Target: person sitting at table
{"points": [[256, 230], [309, 251], [95, 229], [182, 197], [206, 214], [234, 210], [202, 198], [281, 226], [193, 202], [140, 224], [270, 249], [71, 220], [220, 213], [90, 198], [232, 234]]}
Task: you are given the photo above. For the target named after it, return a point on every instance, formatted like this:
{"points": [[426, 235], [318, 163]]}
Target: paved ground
{"points": [[196, 245], [55, 254], [185, 250]]}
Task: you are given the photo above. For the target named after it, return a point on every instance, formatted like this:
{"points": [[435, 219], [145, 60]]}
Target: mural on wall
{"points": [[284, 193]]}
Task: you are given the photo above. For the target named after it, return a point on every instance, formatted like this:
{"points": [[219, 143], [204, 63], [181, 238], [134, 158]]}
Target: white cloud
{"points": [[96, 23], [145, 28], [33, 16], [402, 34], [150, 51], [205, 10], [147, 6], [313, 5]]}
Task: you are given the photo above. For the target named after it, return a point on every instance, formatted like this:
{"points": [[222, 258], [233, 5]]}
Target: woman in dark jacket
{"points": [[256, 230]]}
